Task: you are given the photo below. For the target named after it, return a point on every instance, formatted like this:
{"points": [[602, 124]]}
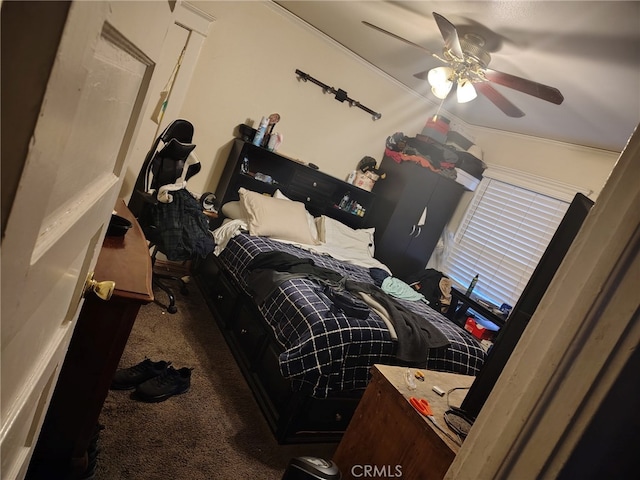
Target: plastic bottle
{"points": [[262, 129], [472, 285], [408, 378], [263, 178], [274, 141]]}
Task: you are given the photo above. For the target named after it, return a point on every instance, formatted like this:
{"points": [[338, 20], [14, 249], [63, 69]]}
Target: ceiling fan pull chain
{"points": [[439, 108]]}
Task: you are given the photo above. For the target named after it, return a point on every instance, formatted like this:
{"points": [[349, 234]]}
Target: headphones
{"points": [[208, 202]]}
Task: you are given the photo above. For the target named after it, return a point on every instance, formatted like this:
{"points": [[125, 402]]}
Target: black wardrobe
{"points": [[413, 205]]}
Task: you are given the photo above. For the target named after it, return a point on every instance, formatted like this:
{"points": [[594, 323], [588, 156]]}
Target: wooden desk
{"points": [[387, 433], [96, 346]]}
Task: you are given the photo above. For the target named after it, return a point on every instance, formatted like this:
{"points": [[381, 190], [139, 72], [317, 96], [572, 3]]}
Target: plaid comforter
{"points": [[324, 350]]}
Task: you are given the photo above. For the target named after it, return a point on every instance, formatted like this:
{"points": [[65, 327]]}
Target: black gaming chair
{"points": [[168, 214]]}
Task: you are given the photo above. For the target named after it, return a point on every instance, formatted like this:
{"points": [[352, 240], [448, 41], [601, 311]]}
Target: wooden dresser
{"points": [[389, 438], [94, 353]]}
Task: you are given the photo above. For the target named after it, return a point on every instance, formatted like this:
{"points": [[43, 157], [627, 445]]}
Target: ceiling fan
{"points": [[467, 62]]}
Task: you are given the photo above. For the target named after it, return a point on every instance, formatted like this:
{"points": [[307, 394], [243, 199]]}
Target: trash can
{"points": [[311, 468]]}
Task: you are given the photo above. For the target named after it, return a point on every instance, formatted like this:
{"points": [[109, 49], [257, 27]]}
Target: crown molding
{"points": [[193, 19]]}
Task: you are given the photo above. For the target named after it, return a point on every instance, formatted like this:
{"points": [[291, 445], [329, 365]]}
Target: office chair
{"points": [[170, 217]]}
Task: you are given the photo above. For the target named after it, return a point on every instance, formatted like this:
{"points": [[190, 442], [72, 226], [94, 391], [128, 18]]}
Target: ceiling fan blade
{"points": [[498, 99], [397, 37], [550, 94], [421, 75], [450, 35]]}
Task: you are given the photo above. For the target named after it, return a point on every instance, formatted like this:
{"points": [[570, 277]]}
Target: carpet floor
{"points": [[213, 431]]}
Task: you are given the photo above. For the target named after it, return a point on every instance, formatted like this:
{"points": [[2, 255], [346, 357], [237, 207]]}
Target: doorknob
{"points": [[103, 290]]}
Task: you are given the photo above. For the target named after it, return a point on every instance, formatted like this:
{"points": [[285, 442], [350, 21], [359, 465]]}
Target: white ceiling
{"points": [[589, 50]]}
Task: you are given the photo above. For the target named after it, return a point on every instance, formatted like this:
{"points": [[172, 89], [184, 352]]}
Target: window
{"points": [[502, 237]]}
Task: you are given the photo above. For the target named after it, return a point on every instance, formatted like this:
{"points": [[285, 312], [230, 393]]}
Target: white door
{"points": [[96, 88]]}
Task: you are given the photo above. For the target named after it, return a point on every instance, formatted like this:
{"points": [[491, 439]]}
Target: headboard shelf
{"points": [[263, 171]]}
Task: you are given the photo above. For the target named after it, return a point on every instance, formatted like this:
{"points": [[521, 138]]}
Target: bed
{"points": [[305, 359]]}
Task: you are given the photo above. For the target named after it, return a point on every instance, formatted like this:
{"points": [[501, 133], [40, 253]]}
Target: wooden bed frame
{"points": [[293, 417]]}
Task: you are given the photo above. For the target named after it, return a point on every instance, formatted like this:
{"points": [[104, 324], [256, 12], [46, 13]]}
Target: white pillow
{"points": [[280, 195], [310, 219], [274, 217], [234, 210], [333, 232]]}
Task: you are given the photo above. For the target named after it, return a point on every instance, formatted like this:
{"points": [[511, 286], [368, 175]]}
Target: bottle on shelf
{"points": [[344, 203], [274, 141], [263, 178], [471, 286], [262, 129], [244, 167]]}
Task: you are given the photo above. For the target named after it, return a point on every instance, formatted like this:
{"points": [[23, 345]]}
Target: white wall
{"points": [[247, 69], [571, 164], [172, 73]]}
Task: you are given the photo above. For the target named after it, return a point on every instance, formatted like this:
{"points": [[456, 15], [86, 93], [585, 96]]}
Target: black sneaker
{"points": [[168, 383], [128, 378]]}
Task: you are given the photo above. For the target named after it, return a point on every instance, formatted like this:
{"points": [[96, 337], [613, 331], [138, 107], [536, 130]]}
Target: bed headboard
{"points": [[263, 171]]}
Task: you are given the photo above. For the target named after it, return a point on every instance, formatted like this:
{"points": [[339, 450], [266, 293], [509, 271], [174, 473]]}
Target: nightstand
{"points": [[390, 438]]}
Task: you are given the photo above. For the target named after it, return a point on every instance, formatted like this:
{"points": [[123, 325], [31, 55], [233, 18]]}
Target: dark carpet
{"points": [[213, 431]]}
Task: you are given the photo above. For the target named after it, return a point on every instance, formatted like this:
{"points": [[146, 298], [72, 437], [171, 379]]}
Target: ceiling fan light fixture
{"points": [[440, 80], [440, 77], [466, 91], [442, 92]]}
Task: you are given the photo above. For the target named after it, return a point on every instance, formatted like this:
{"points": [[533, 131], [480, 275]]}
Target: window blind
{"points": [[502, 237]]}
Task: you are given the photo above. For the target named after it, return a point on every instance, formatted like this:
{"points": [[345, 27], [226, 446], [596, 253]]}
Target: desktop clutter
{"points": [[152, 381], [366, 174]]}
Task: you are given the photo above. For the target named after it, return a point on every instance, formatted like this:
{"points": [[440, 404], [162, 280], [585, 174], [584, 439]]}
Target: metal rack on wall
{"points": [[340, 94]]}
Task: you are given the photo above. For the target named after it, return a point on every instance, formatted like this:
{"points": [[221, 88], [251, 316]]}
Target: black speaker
{"points": [[311, 468]]}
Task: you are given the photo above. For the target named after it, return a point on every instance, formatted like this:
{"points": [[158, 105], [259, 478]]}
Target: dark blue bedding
{"points": [[326, 351]]}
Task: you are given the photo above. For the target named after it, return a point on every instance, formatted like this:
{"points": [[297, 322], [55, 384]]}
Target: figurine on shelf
{"points": [[272, 120]]}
